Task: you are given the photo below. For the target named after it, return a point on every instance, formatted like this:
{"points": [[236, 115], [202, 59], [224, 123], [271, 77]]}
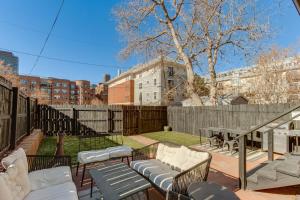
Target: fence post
{"points": [[242, 162], [270, 145], [36, 111], [74, 120], [28, 119], [140, 120], [14, 117]]}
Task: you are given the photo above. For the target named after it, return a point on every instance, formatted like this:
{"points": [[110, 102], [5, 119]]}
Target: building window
{"points": [[170, 71], [154, 95], [24, 82], [170, 84], [64, 85], [56, 91], [73, 86], [33, 82], [140, 86], [154, 81], [57, 84]]}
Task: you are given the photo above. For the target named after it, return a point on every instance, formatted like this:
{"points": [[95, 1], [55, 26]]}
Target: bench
{"points": [[171, 167], [36, 177], [90, 153]]}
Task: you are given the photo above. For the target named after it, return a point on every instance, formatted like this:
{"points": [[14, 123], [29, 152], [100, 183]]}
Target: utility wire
{"points": [[47, 38], [63, 60]]}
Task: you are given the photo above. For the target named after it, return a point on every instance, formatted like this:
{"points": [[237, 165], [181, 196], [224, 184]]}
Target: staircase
{"points": [[273, 174]]}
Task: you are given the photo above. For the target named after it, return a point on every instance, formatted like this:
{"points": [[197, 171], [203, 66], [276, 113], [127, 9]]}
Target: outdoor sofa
{"points": [[171, 167], [36, 177]]}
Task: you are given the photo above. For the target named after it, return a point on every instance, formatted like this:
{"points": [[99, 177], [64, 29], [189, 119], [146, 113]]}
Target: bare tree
{"points": [[270, 84], [189, 30]]}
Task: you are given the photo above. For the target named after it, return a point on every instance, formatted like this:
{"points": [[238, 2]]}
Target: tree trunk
{"points": [[213, 80], [188, 64]]}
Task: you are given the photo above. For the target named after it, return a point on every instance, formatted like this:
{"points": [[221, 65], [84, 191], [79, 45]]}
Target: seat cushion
{"points": [[193, 158], [17, 180], [169, 154], [5, 191], [47, 177], [180, 158], [11, 158], [86, 157], [145, 167], [64, 191], [119, 151], [163, 178]]}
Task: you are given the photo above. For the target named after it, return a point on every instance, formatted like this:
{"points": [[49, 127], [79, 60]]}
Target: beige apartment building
{"points": [[160, 81], [244, 81]]}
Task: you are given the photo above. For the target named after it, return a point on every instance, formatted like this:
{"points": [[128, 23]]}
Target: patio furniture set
{"points": [[222, 137], [169, 168]]}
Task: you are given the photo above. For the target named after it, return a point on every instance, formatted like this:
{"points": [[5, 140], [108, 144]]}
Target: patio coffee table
{"points": [[118, 181], [210, 191]]}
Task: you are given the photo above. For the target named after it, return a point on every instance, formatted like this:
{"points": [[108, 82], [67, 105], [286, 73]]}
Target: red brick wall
{"points": [[122, 93]]}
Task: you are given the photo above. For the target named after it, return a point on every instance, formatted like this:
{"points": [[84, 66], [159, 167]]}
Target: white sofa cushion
{"points": [[18, 181], [160, 153], [48, 177], [170, 154], [18, 154], [5, 192], [64, 191], [193, 158], [119, 151], [180, 158], [86, 157]]}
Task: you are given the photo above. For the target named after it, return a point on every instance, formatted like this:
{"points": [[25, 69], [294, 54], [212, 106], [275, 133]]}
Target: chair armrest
{"points": [[145, 153], [38, 162], [196, 173]]}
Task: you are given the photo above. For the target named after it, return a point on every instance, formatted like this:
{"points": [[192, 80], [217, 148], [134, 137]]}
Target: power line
{"points": [[47, 38], [63, 60], [27, 28]]}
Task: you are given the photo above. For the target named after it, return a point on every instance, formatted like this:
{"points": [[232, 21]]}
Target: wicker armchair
{"points": [[182, 180]]}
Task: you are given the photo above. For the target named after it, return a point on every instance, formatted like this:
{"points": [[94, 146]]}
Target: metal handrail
{"points": [[268, 122]]}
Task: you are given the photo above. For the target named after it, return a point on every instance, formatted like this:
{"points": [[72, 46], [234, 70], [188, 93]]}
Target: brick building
{"points": [[10, 60], [158, 82], [56, 91]]}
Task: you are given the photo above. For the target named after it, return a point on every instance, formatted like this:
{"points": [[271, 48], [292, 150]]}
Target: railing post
{"points": [[28, 120], [14, 117], [242, 162], [271, 145]]}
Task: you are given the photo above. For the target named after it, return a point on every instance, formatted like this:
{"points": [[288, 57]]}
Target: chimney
{"points": [[119, 72], [106, 78]]}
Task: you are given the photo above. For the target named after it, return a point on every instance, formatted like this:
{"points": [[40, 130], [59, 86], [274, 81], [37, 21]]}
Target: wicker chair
{"points": [[182, 180]]}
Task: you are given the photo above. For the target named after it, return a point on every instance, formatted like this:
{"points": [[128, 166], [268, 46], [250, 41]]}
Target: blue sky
{"points": [[85, 31]]}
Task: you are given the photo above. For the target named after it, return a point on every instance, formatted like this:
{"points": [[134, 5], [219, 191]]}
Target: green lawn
{"points": [[71, 145], [175, 137]]}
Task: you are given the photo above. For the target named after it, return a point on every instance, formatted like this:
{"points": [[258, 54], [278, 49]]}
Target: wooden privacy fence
{"points": [[190, 119], [17, 115], [86, 119]]}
